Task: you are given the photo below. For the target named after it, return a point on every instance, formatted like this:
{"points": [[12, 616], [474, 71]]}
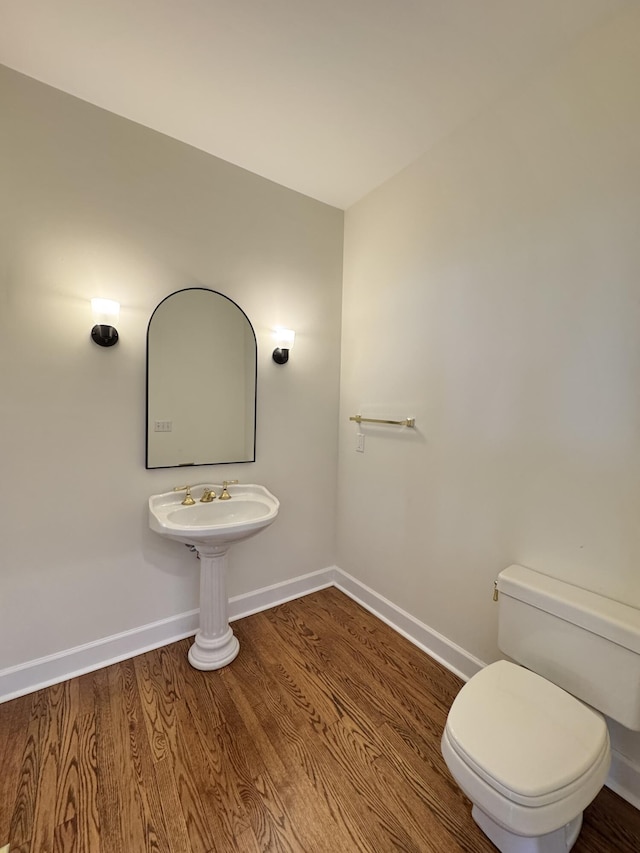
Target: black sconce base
{"points": [[280, 356], [104, 336]]}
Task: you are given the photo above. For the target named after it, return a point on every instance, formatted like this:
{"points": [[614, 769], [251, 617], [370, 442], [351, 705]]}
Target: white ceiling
{"points": [[328, 97]]}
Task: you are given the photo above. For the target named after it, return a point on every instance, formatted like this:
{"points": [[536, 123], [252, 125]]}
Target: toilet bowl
{"points": [[520, 743], [528, 755]]}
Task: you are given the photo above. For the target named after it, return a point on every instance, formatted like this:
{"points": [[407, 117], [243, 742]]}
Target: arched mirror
{"points": [[201, 381]]}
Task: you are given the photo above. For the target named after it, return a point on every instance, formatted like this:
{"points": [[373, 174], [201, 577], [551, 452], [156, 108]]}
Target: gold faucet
{"points": [[225, 496], [188, 500], [207, 496]]}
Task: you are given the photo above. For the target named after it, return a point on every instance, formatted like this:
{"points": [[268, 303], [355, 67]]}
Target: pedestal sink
{"points": [[211, 528]]}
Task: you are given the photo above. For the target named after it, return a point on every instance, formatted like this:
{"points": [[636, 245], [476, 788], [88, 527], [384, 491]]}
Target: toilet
{"points": [[527, 742]]}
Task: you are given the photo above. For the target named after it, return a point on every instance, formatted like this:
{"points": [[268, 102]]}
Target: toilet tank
{"points": [[585, 643]]}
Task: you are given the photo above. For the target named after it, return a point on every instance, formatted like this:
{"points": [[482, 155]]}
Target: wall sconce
{"points": [[284, 340], [105, 314]]}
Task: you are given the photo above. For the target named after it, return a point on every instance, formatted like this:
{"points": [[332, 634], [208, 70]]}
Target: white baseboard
{"points": [[434, 644], [269, 596], [624, 777], [43, 672]]}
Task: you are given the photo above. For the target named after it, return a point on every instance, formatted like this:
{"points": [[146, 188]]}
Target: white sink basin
{"points": [[250, 509]]}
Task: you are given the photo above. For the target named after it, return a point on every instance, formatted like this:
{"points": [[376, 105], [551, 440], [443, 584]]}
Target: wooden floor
{"points": [[323, 735]]}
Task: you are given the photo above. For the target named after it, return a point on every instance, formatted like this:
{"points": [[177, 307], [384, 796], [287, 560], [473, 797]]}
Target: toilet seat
{"points": [[528, 753], [523, 735]]}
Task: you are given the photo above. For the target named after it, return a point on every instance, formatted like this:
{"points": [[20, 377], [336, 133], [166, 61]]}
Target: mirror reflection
{"points": [[201, 381]]}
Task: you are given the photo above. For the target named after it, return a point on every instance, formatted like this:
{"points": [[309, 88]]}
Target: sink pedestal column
{"points": [[215, 644]]}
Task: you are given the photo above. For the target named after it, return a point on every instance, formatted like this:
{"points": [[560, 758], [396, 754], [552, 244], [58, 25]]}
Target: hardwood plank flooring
{"points": [[323, 736]]}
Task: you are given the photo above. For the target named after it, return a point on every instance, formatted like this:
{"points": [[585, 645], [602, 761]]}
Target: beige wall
{"points": [[492, 290], [94, 205]]}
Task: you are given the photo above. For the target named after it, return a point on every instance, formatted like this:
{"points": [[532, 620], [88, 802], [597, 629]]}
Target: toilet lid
{"points": [[524, 735]]}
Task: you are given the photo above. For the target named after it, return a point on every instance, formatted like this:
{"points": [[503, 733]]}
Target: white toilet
{"points": [[529, 755]]}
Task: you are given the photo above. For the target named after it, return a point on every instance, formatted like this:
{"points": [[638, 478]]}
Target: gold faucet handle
{"points": [[188, 500], [225, 496], [207, 496]]}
